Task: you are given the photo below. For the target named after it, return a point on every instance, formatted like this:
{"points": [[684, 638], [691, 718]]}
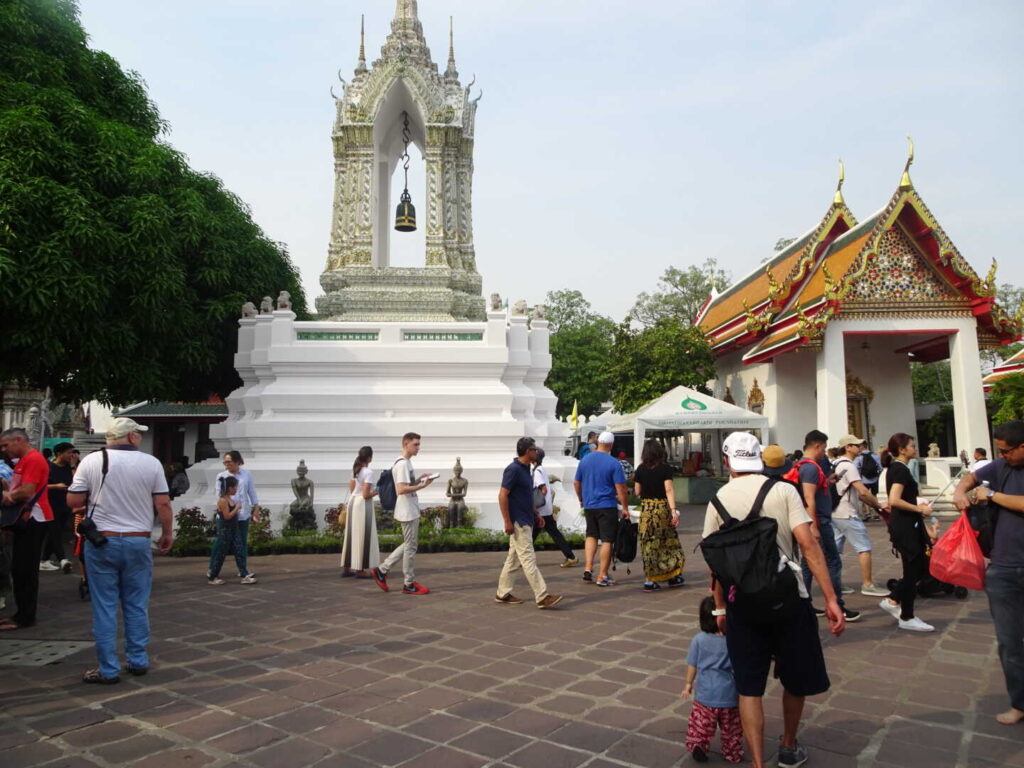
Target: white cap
{"points": [[120, 427], [744, 452], [605, 438]]}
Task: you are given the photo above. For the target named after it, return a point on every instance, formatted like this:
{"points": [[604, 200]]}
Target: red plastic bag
{"points": [[957, 558]]}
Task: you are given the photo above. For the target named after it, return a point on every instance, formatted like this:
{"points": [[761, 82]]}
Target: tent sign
{"points": [[691, 404]]}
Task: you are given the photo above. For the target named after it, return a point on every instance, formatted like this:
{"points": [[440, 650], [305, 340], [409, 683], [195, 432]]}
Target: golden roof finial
{"points": [[905, 180], [831, 285], [774, 289], [838, 199]]}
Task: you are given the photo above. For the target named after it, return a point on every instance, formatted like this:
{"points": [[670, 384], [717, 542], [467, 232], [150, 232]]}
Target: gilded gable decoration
{"points": [[755, 400]]}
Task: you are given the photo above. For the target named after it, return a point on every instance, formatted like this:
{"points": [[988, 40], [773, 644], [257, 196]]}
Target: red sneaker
{"points": [[380, 578], [415, 589]]}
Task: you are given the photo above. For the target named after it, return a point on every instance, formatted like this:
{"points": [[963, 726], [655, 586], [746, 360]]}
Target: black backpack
{"points": [[387, 494], [745, 554], [869, 469], [624, 549]]}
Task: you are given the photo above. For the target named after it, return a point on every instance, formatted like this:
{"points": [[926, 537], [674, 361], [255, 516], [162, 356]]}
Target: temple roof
{"points": [[896, 260], [1009, 366]]}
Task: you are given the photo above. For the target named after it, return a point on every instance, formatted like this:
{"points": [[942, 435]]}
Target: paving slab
{"points": [[305, 668]]}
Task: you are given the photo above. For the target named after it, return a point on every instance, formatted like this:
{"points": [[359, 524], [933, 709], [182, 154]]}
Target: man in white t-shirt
{"points": [[980, 459], [120, 486], [407, 514], [847, 523]]}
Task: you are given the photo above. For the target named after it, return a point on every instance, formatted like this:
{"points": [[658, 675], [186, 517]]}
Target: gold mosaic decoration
{"points": [[898, 272]]}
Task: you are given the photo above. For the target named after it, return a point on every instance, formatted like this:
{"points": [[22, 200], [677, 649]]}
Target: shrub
{"points": [[333, 524], [259, 530], [194, 531]]}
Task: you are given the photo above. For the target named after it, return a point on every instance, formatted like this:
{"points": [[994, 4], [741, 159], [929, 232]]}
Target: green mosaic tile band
{"points": [[339, 336], [419, 336]]}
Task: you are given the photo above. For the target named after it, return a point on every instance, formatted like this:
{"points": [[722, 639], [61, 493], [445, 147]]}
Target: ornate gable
{"points": [[900, 273]]}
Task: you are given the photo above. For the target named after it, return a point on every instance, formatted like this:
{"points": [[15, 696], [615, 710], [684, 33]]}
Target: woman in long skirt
{"points": [[659, 543], [360, 551]]}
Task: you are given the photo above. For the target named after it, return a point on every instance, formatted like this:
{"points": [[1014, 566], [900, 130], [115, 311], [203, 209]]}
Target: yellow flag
{"points": [[574, 417]]}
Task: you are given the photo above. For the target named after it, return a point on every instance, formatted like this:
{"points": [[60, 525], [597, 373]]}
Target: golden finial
{"points": [[831, 285], [838, 199], [905, 180], [774, 289]]}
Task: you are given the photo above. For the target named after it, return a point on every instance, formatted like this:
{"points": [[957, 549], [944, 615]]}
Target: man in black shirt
{"points": [[61, 476]]}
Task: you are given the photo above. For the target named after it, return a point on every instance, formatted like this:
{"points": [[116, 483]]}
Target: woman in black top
{"points": [[659, 543], [906, 530]]}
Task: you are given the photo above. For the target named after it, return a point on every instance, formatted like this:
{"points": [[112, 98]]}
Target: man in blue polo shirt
{"points": [[515, 500], [601, 488]]}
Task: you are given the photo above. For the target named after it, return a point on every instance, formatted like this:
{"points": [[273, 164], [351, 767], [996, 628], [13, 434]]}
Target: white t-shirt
{"points": [[979, 463], [849, 501], [364, 476], [246, 493], [407, 508], [540, 477], [124, 503]]}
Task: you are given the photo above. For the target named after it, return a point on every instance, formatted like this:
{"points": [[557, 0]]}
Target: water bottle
{"points": [[986, 485]]}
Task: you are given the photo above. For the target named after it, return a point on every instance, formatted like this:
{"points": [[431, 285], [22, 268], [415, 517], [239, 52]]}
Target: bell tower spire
{"points": [[361, 65], [451, 75]]}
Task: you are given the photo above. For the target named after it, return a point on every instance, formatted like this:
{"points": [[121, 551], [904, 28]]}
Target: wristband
{"points": [[718, 612]]}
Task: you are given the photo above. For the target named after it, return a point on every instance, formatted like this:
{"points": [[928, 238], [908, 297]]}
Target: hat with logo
{"points": [[121, 427], [846, 440], [744, 452], [776, 462]]}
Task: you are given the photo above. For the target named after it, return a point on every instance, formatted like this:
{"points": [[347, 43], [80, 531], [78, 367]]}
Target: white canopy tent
{"points": [[597, 424], [687, 410]]}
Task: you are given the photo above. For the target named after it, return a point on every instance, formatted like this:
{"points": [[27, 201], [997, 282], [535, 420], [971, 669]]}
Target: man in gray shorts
{"points": [[846, 519]]}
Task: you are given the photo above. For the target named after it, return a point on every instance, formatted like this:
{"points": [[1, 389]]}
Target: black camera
{"points": [[87, 527]]}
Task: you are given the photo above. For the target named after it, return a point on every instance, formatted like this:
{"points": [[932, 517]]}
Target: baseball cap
{"points": [[606, 438], [846, 440], [776, 462], [120, 427], [744, 452]]}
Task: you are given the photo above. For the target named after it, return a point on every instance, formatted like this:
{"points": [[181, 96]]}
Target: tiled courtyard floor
{"points": [[306, 669]]}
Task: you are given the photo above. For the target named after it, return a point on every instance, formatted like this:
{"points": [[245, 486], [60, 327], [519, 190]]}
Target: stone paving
{"points": [[305, 669]]}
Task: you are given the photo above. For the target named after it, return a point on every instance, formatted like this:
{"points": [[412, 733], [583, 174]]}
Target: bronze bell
{"points": [[405, 214]]}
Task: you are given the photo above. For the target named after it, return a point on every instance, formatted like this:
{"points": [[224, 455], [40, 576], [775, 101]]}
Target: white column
{"points": [[969, 418], [831, 383]]}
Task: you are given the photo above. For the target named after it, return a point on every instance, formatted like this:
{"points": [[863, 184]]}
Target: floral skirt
{"points": [[659, 543]]}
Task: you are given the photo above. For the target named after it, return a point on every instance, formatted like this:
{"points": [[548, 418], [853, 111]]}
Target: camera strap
{"points": [[103, 479]]}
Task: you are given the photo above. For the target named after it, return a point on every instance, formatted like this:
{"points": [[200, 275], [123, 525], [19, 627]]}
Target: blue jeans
{"points": [[832, 560], [1005, 588], [120, 573]]}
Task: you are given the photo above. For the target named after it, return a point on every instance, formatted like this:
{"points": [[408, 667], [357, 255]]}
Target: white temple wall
{"points": [[887, 374], [792, 398]]}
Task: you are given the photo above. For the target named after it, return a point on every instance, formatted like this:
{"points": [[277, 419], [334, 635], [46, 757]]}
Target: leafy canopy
{"points": [[581, 347], [122, 270], [1007, 397], [681, 293]]}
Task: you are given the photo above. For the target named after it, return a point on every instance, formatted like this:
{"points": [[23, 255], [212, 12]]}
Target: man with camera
{"points": [[120, 486]]}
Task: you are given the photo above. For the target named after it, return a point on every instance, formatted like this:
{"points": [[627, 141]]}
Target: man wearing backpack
{"points": [[786, 632], [817, 498], [869, 466], [846, 518]]}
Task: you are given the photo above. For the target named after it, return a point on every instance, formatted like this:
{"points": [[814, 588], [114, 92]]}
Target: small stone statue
{"points": [[540, 312], [457, 488], [519, 308], [284, 300], [495, 302], [933, 451], [248, 309], [266, 306], [303, 518]]}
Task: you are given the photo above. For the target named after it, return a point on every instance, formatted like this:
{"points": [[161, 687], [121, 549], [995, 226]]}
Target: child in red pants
{"points": [[715, 701]]}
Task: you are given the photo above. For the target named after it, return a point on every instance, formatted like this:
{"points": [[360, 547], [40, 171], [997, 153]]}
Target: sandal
{"points": [[94, 676]]}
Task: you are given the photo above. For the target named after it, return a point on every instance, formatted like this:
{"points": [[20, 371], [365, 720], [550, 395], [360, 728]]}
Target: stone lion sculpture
{"points": [[495, 302], [284, 300], [266, 306], [519, 308], [540, 312], [248, 309]]}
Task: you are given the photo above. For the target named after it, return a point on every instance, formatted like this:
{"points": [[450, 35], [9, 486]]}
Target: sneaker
{"points": [[650, 586], [916, 625], [250, 579], [65, 565], [508, 599], [570, 562], [819, 612], [414, 589], [892, 610], [851, 615], [46, 565], [792, 758], [215, 582], [676, 581], [606, 581], [550, 601], [872, 591], [381, 578], [699, 755], [588, 575], [846, 591]]}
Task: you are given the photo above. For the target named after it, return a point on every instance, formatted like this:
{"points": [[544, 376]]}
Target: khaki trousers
{"points": [[521, 555]]}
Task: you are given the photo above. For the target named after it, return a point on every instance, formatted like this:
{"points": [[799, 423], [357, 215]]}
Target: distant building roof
{"points": [[175, 411]]}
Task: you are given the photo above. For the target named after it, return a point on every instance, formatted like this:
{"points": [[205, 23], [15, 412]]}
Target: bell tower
{"points": [[402, 96]]}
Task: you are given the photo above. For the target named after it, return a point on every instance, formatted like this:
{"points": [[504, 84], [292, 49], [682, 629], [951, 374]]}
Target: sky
{"points": [[614, 139]]}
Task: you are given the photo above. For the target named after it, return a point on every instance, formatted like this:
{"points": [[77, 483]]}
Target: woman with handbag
{"points": [[360, 551], [908, 531], [659, 543], [543, 502]]}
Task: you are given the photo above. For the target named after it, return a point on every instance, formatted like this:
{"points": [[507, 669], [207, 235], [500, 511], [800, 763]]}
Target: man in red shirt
{"points": [[31, 475]]}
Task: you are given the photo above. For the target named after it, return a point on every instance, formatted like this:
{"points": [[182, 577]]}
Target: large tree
{"points": [[680, 294], [1007, 399], [122, 270], [647, 362], [581, 348]]}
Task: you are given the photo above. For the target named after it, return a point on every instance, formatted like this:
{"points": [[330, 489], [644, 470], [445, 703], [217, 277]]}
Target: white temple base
{"points": [[318, 391]]}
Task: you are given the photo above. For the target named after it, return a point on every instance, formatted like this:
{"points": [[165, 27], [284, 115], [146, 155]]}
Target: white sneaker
{"points": [[872, 591], [892, 610], [46, 565], [65, 565], [250, 579], [916, 625], [849, 591]]}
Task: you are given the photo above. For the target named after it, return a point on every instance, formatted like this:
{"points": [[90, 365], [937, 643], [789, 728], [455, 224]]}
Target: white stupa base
{"points": [[318, 391]]}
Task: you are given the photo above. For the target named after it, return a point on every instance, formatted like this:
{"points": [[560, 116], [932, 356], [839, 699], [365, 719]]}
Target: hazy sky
{"points": [[614, 139]]}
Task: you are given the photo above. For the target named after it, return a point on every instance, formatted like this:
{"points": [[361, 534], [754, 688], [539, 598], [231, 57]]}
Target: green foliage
{"points": [[122, 270], [259, 530], [1007, 396], [648, 362], [932, 382], [193, 531], [581, 346], [333, 524], [681, 294]]}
